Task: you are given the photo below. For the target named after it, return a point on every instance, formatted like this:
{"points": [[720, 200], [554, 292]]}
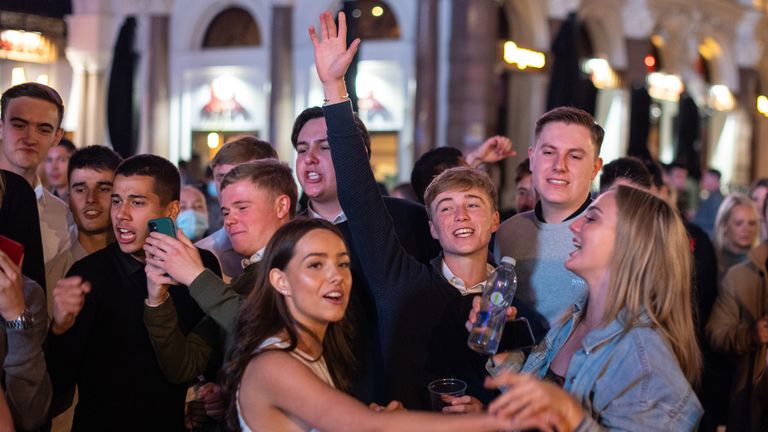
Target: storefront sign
{"points": [[26, 46]]}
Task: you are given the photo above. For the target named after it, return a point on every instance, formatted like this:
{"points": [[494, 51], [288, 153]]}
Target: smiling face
{"points": [[594, 237], [90, 194], [252, 215], [564, 163], [317, 280], [29, 127], [314, 166], [741, 229], [56, 166], [134, 203], [463, 221]]}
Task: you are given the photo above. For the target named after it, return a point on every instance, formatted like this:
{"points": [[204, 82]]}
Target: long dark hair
{"points": [[264, 314]]}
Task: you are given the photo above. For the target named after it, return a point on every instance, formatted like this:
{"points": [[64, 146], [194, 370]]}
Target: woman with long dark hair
{"points": [[291, 361]]}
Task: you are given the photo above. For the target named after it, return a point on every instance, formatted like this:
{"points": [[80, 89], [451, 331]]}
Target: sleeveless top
{"points": [[318, 367]]}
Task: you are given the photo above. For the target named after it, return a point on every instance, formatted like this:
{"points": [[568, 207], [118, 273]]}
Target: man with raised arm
{"points": [[421, 308]]}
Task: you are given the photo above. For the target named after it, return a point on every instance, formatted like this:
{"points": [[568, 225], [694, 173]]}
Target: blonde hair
{"points": [[724, 213], [651, 273]]}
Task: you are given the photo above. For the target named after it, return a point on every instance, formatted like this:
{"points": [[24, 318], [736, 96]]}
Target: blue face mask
{"points": [[194, 224], [211, 189]]}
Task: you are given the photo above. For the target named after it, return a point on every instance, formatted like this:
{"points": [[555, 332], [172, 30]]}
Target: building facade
{"points": [[678, 79]]}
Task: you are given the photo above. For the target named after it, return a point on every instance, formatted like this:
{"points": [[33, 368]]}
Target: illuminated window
{"points": [[232, 27]]}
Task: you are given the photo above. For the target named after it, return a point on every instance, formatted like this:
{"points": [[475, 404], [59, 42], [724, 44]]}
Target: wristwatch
{"points": [[23, 322]]}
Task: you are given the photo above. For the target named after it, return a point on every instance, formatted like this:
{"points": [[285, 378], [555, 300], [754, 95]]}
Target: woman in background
{"points": [[736, 230]]}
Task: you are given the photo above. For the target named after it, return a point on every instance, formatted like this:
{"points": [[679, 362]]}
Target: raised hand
{"points": [[176, 256], [332, 56], [68, 300], [11, 292], [492, 150]]}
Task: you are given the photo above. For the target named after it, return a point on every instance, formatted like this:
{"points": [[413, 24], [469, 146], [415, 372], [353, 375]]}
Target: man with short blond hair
{"points": [[233, 153]]}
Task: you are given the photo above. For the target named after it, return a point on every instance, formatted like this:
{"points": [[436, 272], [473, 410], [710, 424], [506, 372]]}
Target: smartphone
{"points": [[517, 335], [13, 249], [163, 225]]}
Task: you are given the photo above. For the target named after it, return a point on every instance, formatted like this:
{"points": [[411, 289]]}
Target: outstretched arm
{"points": [[299, 392], [373, 237]]}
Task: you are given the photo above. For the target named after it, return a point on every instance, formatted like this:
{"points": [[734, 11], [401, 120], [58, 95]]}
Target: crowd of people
{"points": [[336, 311]]}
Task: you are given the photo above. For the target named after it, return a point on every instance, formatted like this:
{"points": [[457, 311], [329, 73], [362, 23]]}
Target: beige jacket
{"points": [[742, 300]]}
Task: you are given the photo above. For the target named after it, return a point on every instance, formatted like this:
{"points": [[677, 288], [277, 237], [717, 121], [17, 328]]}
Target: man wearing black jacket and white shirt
{"points": [[422, 308]]}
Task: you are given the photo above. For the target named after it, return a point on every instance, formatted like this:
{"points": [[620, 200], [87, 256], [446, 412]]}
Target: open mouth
{"points": [[463, 232], [334, 297], [313, 176], [557, 182], [125, 235]]}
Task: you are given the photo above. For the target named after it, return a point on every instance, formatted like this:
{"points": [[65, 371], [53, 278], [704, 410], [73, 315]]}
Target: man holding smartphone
{"points": [[97, 339]]}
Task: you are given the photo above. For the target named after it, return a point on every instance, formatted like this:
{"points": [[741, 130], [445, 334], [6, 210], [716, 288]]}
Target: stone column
{"points": [[472, 58], [89, 40], [155, 94], [281, 76], [425, 111]]}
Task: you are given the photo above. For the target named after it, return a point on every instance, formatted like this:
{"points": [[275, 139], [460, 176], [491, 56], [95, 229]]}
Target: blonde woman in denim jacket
{"points": [[625, 356]]}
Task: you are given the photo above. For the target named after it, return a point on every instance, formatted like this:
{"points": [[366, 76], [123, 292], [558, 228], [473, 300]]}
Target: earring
{"points": [[284, 292]]}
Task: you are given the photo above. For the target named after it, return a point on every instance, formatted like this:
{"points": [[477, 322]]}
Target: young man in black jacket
{"points": [[98, 339], [421, 308]]}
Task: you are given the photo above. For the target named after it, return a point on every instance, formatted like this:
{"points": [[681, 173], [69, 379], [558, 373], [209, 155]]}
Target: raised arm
{"points": [[374, 239]]}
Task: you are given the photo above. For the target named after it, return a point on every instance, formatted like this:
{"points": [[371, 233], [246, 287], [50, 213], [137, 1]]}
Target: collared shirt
{"points": [[55, 223], [341, 217], [253, 259], [55, 220], [457, 283], [221, 246]]}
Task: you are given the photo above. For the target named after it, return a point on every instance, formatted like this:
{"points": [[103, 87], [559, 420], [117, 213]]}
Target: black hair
{"points": [[95, 157], [630, 168], [167, 181], [312, 113]]}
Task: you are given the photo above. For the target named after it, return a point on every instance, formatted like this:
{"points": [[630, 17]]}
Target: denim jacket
{"points": [[624, 380]]}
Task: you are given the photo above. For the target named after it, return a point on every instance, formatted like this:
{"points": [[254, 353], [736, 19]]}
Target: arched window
{"points": [[232, 27], [372, 19]]}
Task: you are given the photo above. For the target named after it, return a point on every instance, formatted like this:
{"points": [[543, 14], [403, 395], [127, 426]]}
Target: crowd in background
{"points": [[333, 309]]}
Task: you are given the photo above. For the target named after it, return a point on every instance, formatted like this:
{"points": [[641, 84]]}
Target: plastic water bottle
{"points": [[497, 296]]}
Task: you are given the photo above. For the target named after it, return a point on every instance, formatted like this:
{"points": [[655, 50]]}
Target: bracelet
{"points": [[162, 300], [343, 98]]}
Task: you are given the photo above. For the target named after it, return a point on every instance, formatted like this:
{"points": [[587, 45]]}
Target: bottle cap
{"points": [[508, 260]]}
